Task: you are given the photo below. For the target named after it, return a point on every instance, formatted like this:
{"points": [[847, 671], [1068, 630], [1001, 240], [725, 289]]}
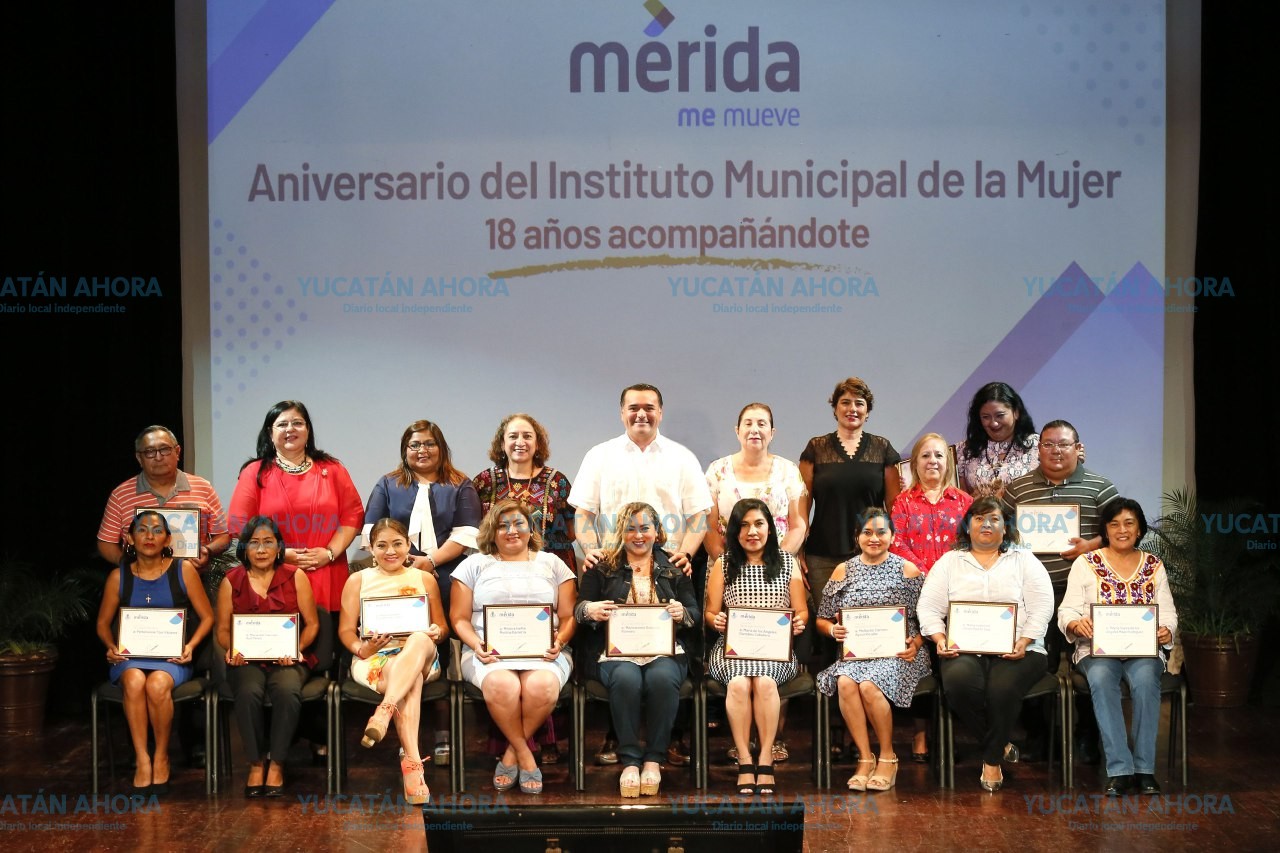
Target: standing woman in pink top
{"points": [[925, 517]]}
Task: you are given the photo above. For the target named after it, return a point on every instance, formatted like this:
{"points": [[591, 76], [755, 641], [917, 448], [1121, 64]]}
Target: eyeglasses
{"points": [[153, 452], [284, 425], [263, 544], [1058, 445], [415, 446]]}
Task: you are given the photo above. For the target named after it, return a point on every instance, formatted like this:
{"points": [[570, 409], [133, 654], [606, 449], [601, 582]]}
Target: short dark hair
{"points": [[854, 387], [251, 527], [1113, 508], [1061, 424], [975, 437], [137, 442], [497, 449], [982, 506], [639, 386]]}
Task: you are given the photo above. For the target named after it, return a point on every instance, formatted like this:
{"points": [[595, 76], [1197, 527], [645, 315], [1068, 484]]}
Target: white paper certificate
{"points": [[640, 630], [518, 630], [1046, 528], [753, 633], [1125, 630], [982, 627], [184, 529], [873, 632], [397, 615], [152, 632], [265, 636]]}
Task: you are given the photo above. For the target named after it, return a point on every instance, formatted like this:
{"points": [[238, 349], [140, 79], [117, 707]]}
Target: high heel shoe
{"points": [[858, 781], [416, 791], [991, 787], [881, 782], [764, 788], [629, 782], [746, 789], [376, 728], [650, 781]]}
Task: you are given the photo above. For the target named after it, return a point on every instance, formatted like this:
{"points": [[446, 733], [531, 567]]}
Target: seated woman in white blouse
{"points": [[986, 691]]}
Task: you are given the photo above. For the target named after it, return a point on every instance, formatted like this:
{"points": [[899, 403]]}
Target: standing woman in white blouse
{"points": [[986, 691]]}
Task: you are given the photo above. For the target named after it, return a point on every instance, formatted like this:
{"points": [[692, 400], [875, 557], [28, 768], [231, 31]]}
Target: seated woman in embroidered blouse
{"points": [[149, 576], [262, 583], [986, 691], [925, 518], [1118, 573], [873, 578], [511, 568], [395, 666], [635, 570], [1000, 441]]}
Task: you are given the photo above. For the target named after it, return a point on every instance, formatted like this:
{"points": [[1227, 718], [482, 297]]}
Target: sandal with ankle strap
{"points": [[858, 781], [376, 729], [416, 791], [881, 782]]}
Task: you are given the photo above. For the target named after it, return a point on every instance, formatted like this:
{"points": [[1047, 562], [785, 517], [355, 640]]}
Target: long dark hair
{"points": [[975, 437], [735, 556], [266, 447], [444, 467]]}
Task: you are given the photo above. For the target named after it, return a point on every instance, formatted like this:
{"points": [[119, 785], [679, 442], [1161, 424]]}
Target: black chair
{"points": [[594, 690], [1173, 686], [465, 692], [319, 687], [929, 688], [197, 689], [350, 690], [1050, 684]]}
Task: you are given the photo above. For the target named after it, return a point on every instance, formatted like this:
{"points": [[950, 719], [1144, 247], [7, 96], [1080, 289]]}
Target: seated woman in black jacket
{"points": [[635, 570]]}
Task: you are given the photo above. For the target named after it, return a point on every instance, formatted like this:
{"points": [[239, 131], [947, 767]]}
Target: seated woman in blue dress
{"points": [[635, 570], [873, 577], [149, 576]]}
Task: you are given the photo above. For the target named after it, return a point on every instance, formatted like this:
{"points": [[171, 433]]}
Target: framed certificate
{"points": [[152, 632], [184, 528], [982, 627], [755, 633], [1125, 630], [518, 630], [1046, 528], [265, 636], [640, 630], [397, 615], [873, 632]]}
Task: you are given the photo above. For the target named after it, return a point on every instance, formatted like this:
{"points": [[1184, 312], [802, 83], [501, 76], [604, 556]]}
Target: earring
{"points": [[166, 551]]}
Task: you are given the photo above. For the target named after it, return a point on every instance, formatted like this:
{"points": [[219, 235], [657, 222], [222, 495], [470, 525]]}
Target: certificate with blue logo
{"points": [[1125, 630], [873, 632], [152, 632], [756, 633], [397, 615], [518, 630], [982, 627], [640, 630], [265, 636]]}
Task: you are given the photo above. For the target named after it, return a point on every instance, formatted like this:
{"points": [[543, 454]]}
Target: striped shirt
{"points": [[189, 492], [1091, 491]]}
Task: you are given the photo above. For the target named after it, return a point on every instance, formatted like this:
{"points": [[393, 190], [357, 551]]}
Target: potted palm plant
{"points": [[37, 606], [1226, 586]]}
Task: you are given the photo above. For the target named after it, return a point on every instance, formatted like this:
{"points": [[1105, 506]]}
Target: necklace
{"points": [[289, 468]]}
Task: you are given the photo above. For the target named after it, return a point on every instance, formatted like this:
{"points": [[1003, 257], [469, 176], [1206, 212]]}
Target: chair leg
{"points": [[337, 750], [1182, 723], [1069, 748], [93, 737], [579, 737], [211, 737], [457, 763]]}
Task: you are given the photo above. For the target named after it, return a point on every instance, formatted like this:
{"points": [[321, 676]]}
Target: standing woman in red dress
{"points": [[307, 493]]}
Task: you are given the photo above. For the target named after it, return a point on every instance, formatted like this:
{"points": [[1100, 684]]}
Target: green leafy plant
{"points": [[1223, 585], [37, 604]]}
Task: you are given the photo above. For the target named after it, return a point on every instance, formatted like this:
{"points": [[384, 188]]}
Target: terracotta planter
{"points": [[1220, 670], [24, 686]]}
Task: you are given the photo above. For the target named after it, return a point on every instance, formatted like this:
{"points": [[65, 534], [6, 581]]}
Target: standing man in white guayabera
{"points": [[641, 465]]}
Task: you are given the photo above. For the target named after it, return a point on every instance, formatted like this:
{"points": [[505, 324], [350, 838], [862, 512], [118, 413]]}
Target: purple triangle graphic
{"points": [[255, 53], [1056, 315]]}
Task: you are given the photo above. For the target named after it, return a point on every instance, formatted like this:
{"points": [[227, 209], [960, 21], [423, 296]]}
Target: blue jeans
{"points": [[1143, 675], [651, 691]]}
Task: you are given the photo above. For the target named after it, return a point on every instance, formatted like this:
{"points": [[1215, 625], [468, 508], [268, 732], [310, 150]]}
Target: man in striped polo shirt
{"points": [[160, 483], [1061, 479]]}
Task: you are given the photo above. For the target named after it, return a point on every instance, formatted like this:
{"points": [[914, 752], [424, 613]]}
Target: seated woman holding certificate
{"points": [[389, 656], [647, 685], [1119, 574], [866, 684], [263, 585], [753, 572], [516, 653], [987, 666], [150, 578]]}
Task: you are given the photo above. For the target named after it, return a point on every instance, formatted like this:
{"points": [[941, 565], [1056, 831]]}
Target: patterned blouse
{"points": [[1000, 462]]}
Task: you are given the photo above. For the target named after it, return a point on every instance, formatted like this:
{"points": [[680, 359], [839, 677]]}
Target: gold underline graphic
{"points": [[755, 264]]}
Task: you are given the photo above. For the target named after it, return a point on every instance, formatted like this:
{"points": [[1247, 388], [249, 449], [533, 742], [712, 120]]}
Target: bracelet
{"points": [[432, 560], [329, 551]]}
